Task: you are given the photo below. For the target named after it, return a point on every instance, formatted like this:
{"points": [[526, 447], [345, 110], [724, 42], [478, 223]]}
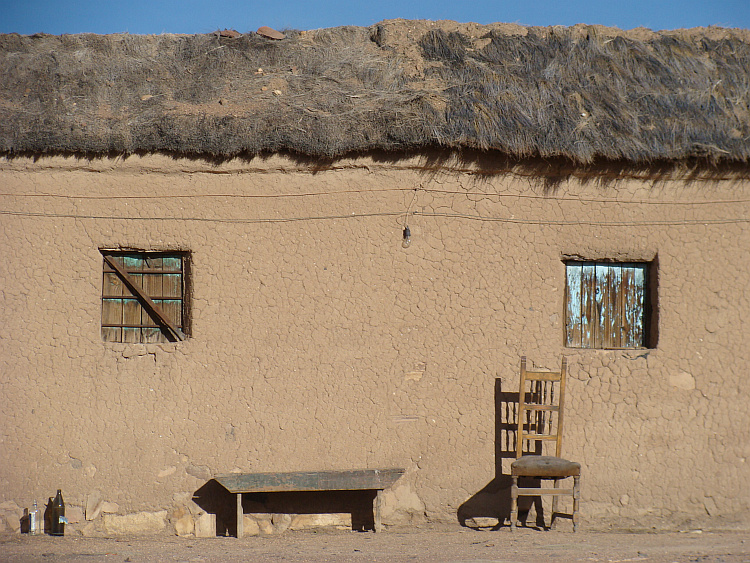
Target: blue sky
{"points": [[200, 16]]}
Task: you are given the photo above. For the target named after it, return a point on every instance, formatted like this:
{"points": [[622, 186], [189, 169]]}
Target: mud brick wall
{"points": [[317, 341]]}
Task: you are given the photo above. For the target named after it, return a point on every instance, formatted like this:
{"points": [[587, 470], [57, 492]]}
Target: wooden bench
{"points": [[358, 480]]}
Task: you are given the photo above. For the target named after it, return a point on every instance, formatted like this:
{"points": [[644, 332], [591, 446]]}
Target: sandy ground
{"points": [[446, 543]]}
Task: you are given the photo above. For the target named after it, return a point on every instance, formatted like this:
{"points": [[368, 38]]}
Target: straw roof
{"points": [[584, 93]]}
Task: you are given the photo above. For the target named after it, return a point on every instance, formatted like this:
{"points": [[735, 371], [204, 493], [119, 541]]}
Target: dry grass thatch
{"points": [[582, 93]]}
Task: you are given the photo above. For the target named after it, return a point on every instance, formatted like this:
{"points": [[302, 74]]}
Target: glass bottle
{"points": [[58, 515], [35, 522]]}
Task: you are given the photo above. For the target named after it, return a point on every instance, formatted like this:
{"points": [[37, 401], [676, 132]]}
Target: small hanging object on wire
{"points": [[407, 231], [407, 237]]}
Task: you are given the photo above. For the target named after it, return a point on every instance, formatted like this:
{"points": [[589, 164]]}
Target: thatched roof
{"points": [[583, 93]]}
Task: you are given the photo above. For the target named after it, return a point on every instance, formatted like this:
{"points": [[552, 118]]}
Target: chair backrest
{"points": [[540, 409]]}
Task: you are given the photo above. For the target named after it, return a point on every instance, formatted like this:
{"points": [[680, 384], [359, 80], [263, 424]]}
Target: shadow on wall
{"points": [[493, 500], [215, 499], [551, 172], [47, 516]]}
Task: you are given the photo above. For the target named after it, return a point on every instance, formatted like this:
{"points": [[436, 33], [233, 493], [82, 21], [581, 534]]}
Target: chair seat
{"points": [[544, 466]]}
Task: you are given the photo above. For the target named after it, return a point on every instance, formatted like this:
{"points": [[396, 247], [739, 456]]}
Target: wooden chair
{"points": [[540, 421]]}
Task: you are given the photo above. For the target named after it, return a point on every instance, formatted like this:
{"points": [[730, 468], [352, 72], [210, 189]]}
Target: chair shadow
{"points": [[493, 500]]}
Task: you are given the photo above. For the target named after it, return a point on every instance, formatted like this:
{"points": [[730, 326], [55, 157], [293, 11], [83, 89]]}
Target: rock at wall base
{"points": [[74, 514], [482, 522], [281, 522], [251, 527], [184, 526], [205, 525], [339, 520], [140, 523], [401, 505]]}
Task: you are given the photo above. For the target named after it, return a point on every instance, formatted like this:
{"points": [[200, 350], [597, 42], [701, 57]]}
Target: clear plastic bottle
{"points": [[35, 520]]}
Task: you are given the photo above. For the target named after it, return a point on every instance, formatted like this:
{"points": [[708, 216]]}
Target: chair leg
{"points": [[514, 504], [555, 504], [576, 499]]}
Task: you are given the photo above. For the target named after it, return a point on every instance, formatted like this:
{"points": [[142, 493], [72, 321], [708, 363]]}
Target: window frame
{"points": [[625, 291], [144, 299]]}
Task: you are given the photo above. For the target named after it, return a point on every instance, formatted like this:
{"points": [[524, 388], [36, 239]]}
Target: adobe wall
{"points": [[318, 342]]}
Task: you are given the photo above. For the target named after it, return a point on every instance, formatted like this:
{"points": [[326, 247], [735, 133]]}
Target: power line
{"points": [[676, 222], [388, 214], [378, 190], [197, 196], [202, 219], [594, 200]]}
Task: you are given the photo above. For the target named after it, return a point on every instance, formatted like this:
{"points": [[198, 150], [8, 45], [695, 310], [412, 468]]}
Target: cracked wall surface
{"points": [[318, 342]]}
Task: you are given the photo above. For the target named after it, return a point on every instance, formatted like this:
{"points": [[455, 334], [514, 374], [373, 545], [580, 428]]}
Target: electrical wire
{"points": [[408, 209], [378, 190], [197, 196], [202, 219], [511, 220]]}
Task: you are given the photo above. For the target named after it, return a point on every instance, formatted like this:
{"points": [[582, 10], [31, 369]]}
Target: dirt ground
{"points": [[445, 543]]}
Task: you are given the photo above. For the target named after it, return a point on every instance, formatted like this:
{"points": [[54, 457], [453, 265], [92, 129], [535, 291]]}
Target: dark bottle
{"points": [[57, 518]]}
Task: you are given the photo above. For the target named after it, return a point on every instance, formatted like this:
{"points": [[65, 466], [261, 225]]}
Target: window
{"points": [[607, 305], [143, 296]]}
